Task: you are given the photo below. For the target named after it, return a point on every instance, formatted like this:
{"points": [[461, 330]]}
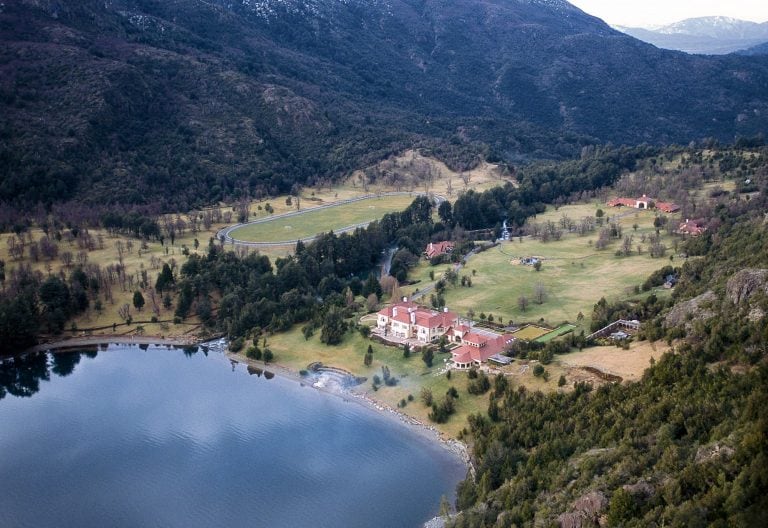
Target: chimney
{"points": [[413, 317], [445, 309], [394, 311], [405, 299]]}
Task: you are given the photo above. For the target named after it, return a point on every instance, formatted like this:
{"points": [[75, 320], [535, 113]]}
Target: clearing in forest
{"points": [[629, 364], [322, 220]]}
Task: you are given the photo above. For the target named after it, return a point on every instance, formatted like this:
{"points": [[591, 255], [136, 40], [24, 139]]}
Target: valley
{"points": [[501, 226]]}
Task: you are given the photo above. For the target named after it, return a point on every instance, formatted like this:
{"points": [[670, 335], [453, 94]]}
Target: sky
{"points": [[647, 13]]}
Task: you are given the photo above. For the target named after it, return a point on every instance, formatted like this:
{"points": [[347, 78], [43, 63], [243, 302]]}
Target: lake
{"points": [[159, 437]]}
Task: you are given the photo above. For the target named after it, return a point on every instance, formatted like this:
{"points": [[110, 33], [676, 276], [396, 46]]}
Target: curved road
{"points": [[225, 235]]}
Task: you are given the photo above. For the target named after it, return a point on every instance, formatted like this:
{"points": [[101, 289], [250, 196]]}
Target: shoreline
{"points": [[108, 339], [454, 446]]}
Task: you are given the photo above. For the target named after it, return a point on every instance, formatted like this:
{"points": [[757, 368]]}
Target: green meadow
{"points": [[322, 220], [574, 274]]}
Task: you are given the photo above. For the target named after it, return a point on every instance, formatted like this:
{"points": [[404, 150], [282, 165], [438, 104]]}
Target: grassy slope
{"points": [[292, 350], [574, 274], [323, 220]]}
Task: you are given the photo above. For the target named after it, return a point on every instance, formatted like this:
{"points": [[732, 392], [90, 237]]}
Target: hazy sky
{"points": [[643, 13]]}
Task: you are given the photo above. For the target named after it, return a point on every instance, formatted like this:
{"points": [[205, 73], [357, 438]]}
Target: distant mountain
{"points": [[181, 102], [704, 35], [760, 49]]}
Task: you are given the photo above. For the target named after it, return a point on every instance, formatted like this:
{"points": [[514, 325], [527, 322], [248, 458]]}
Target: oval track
{"points": [[225, 235]]}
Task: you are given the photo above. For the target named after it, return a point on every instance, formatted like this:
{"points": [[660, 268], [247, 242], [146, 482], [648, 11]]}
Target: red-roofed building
{"points": [[644, 202], [477, 348], [622, 202], [692, 227], [667, 207], [435, 249], [408, 320]]}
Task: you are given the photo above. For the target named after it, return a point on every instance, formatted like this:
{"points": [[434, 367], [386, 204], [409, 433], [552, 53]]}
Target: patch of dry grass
{"points": [[629, 364]]}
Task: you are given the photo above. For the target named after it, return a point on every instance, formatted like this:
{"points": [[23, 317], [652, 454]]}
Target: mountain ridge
{"points": [[715, 35], [187, 102]]}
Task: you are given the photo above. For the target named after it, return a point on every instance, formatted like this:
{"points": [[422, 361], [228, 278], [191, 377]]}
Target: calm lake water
{"points": [[131, 437]]}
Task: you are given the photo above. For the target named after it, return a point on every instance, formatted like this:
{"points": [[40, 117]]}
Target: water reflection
{"points": [[190, 351], [117, 445], [64, 363], [21, 376]]}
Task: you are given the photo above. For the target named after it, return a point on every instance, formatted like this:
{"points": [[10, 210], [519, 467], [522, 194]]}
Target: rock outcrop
{"points": [[699, 308], [586, 511], [745, 284]]}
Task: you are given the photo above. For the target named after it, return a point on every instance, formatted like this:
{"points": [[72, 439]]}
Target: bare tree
{"points": [[522, 302], [120, 248], [67, 258], [466, 177], [626, 246], [15, 247], [124, 312], [539, 293], [372, 302]]}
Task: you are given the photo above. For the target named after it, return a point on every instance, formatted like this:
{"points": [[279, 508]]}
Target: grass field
{"points": [[322, 220], [292, 350], [629, 364], [557, 332], [574, 274], [531, 332]]}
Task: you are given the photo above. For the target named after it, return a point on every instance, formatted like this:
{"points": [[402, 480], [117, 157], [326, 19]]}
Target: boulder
{"points": [[746, 283]]}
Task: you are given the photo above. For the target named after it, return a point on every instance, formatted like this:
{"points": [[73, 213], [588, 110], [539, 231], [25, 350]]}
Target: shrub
{"points": [[253, 352], [236, 345]]}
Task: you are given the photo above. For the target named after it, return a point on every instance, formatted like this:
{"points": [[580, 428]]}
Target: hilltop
{"points": [[182, 103]]}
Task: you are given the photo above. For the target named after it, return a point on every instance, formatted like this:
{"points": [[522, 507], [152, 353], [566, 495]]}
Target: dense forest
{"points": [[255, 294], [685, 446], [175, 105]]}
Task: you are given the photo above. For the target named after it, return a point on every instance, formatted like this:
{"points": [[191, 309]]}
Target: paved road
{"points": [[225, 235]]}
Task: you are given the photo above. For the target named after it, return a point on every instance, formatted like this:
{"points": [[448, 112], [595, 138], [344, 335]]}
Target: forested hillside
{"points": [[685, 446], [178, 103]]}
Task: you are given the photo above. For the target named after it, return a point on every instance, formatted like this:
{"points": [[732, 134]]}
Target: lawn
{"points": [[322, 220], [419, 275], [531, 332], [557, 332], [293, 351], [574, 275]]}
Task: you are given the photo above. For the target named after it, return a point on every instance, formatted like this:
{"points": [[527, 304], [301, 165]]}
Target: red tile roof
{"points": [[619, 202], [692, 227], [401, 307], [435, 249], [667, 207], [490, 346], [423, 316]]}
